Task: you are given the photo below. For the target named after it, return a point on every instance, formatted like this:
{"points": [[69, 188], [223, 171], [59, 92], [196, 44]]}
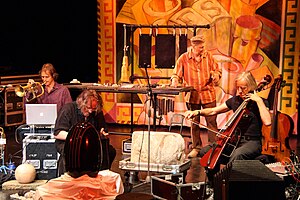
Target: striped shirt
{"points": [[197, 74]]}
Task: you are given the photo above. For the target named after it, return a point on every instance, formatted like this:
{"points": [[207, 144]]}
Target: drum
{"points": [[83, 148]]}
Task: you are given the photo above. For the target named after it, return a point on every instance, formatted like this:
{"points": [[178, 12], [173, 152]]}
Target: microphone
{"points": [[266, 80]]}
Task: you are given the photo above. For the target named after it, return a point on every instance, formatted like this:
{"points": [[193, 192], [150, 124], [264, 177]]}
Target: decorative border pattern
{"points": [[290, 56], [114, 112], [106, 12]]}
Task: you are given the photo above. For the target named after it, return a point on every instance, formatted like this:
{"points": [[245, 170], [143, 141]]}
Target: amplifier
{"points": [[248, 179], [40, 151], [25, 130], [11, 108]]}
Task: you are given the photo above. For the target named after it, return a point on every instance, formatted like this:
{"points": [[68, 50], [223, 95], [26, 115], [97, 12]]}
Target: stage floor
{"points": [[119, 133]]}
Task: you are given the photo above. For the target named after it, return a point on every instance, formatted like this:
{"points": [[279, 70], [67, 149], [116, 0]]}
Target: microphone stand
{"points": [[150, 95]]}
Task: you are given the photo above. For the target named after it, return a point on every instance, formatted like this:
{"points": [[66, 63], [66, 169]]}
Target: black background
{"points": [[62, 32]]}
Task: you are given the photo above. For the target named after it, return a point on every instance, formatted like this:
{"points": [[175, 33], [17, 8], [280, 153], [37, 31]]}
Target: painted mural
{"points": [[242, 36]]}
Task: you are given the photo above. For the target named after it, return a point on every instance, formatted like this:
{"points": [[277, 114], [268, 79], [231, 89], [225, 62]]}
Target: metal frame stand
{"points": [[3, 167], [150, 98]]}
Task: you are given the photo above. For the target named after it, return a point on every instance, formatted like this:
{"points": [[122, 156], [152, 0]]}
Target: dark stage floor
{"points": [[194, 174]]}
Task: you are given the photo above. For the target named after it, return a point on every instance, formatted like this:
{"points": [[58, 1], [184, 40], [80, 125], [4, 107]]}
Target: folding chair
{"points": [[176, 120]]}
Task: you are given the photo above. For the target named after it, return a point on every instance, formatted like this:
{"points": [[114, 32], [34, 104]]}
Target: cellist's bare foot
{"points": [[193, 154]]}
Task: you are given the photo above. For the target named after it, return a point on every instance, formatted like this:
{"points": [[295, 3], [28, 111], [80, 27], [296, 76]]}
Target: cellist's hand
{"points": [[190, 114], [102, 131], [253, 97], [263, 110]]}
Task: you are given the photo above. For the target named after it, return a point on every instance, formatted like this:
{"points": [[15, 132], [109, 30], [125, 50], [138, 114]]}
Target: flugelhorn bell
{"points": [[30, 91], [20, 90]]}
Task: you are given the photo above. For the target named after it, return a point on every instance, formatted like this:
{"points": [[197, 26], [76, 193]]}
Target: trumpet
{"points": [[31, 91]]}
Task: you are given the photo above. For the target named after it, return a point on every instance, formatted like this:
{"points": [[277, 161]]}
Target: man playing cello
{"points": [[249, 125]]}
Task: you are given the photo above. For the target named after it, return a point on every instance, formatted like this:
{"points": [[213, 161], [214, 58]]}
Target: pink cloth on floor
{"points": [[107, 185]]}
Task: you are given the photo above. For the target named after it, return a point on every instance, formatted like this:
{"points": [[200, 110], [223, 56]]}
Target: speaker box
{"points": [[145, 51], [40, 151], [12, 111], [182, 44], [165, 51], [248, 179], [11, 108]]}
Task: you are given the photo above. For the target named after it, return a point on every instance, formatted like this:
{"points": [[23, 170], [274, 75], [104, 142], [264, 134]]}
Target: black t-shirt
{"points": [[70, 115], [250, 123]]}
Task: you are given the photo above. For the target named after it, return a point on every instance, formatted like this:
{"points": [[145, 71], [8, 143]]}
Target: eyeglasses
{"points": [[243, 88]]}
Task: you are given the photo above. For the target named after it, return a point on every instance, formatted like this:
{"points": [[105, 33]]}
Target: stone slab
{"points": [[15, 185]]}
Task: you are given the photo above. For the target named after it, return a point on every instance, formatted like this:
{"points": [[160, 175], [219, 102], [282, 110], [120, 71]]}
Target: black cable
{"points": [[16, 132]]}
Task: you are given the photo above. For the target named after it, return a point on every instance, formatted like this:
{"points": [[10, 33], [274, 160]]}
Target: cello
{"points": [[210, 159], [228, 134], [276, 136]]}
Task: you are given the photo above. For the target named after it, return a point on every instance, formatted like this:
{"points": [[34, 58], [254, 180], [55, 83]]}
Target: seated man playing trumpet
{"points": [[54, 93]]}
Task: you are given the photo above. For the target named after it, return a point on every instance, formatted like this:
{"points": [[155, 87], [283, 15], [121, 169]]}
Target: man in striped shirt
{"points": [[197, 68]]}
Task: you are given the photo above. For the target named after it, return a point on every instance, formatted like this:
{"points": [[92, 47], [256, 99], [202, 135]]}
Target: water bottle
{"points": [[2, 144], [11, 165]]}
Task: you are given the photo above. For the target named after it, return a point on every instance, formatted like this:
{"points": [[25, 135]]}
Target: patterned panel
{"points": [[124, 110], [119, 113], [297, 99], [107, 42], [290, 57], [106, 52]]}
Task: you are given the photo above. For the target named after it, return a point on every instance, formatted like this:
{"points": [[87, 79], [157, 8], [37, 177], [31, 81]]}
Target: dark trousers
{"points": [[246, 150]]}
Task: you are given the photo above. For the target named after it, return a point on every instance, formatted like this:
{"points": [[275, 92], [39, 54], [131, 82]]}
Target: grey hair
{"points": [[248, 77], [85, 95]]}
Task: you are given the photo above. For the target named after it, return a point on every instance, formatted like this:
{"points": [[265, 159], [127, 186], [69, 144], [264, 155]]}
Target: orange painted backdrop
{"points": [[260, 36]]}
